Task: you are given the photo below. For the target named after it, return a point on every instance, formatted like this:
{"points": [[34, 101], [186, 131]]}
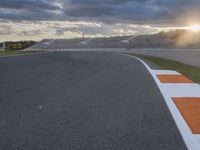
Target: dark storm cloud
{"points": [[103, 9], [103, 2], [29, 9], [28, 4], [137, 11]]}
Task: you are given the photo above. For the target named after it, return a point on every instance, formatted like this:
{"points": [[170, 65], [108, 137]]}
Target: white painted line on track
{"points": [[186, 133], [26, 54], [165, 72]]}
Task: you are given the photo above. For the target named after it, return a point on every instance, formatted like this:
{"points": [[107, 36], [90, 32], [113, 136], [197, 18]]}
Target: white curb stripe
{"points": [[198, 137], [165, 72], [182, 90]]}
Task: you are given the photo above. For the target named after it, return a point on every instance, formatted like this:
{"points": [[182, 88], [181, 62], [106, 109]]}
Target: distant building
{"points": [[129, 40], [86, 42], [125, 41], [2, 46]]}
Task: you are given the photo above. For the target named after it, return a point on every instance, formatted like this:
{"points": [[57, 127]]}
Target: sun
{"points": [[195, 28]]}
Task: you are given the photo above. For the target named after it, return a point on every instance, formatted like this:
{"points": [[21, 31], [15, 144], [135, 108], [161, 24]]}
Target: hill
{"points": [[171, 39]]}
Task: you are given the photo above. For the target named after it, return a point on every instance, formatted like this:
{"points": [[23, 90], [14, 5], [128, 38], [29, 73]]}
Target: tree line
{"points": [[18, 45]]}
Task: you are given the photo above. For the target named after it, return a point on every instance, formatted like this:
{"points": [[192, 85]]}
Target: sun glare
{"points": [[195, 28]]}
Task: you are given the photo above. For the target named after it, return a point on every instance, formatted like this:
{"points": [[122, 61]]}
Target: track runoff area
{"points": [[182, 97]]}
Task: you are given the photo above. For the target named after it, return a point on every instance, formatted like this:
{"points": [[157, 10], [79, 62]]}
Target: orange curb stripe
{"points": [[190, 110], [174, 79]]}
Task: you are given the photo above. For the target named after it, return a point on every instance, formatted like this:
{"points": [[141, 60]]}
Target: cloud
{"points": [[71, 29], [68, 18], [30, 4], [108, 11], [30, 9], [5, 29]]}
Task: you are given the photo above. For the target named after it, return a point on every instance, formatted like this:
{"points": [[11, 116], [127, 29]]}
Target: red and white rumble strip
{"points": [[182, 97]]}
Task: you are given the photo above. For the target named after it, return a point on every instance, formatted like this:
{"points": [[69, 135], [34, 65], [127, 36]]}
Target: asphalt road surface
{"points": [[82, 101]]}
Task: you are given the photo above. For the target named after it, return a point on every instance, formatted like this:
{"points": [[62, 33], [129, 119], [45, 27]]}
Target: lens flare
{"points": [[195, 28]]}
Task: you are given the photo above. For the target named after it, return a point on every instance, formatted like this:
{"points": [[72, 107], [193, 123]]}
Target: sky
{"points": [[39, 19]]}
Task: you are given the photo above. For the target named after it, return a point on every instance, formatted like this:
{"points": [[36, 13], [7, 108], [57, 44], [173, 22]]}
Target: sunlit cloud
{"points": [[38, 19], [37, 30]]}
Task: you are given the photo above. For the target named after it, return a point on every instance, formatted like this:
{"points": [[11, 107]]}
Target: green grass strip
{"points": [[12, 52], [189, 71]]}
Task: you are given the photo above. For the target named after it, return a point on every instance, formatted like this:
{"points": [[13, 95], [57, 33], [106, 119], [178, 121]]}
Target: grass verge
{"points": [[12, 52], [189, 71]]}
